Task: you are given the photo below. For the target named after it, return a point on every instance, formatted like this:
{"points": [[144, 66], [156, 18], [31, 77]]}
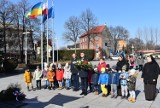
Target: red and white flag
{"points": [[45, 8]]}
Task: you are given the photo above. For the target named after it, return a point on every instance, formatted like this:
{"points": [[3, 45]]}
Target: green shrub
{"points": [[64, 55], [10, 64]]}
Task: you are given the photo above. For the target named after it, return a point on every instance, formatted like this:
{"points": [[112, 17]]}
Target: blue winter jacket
{"points": [[103, 78], [95, 77], [114, 78], [123, 78]]}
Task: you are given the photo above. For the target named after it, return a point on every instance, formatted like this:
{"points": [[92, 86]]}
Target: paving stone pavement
{"points": [[45, 98]]}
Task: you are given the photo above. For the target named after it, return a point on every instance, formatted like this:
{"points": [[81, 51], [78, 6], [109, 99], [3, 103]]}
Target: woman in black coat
{"points": [[150, 74], [121, 62]]}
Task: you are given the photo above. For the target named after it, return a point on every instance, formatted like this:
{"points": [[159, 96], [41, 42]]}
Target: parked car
{"points": [[156, 55], [114, 57]]}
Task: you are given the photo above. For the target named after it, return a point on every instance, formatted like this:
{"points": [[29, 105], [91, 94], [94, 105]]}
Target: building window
{"points": [[96, 37], [97, 46]]}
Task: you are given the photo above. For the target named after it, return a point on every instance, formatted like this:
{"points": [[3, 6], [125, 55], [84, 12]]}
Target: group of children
{"points": [[126, 81], [108, 80], [49, 75]]}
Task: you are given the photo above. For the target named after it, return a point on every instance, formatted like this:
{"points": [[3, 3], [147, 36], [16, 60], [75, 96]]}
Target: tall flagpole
{"points": [[42, 41], [47, 37], [52, 36]]}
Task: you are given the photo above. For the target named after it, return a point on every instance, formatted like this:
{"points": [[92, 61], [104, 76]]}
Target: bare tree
{"points": [[118, 33], [146, 36], [5, 19], [139, 33], [72, 29], [23, 8], [16, 22], [138, 44], [156, 36], [88, 21]]}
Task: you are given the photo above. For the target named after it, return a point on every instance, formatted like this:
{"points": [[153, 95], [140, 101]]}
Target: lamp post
{"points": [[132, 48], [57, 47], [26, 39]]}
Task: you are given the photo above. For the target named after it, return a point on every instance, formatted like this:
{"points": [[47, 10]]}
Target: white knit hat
{"points": [[132, 72]]}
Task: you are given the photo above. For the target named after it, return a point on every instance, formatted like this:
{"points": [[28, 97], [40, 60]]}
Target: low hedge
{"points": [[64, 55], [10, 64]]}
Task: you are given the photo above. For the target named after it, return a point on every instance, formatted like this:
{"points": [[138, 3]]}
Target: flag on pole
{"points": [[45, 8], [37, 9], [28, 15], [50, 14]]}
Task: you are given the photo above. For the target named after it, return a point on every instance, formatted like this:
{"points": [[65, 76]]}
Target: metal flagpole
{"points": [[52, 36], [42, 41], [47, 37]]}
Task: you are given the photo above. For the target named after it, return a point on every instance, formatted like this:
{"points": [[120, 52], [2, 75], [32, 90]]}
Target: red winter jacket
{"points": [[59, 74], [101, 65]]}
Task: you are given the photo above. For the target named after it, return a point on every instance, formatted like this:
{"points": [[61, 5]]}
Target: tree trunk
{"points": [[22, 55], [115, 46], [75, 47], [19, 40], [4, 38]]}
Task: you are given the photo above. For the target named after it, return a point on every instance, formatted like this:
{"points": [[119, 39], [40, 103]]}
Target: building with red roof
{"points": [[100, 40]]}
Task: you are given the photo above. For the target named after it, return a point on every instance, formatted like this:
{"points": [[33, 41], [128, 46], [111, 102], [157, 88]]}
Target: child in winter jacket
{"points": [[45, 71], [67, 76], [37, 76], [59, 76], [114, 81], [123, 81], [101, 64], [28, 79], [50, 76], [103, 81], [95, 77], [131, 85]]}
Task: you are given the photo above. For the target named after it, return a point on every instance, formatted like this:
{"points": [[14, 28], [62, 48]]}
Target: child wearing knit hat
{"points": [[123, 82], [131, 85], [103, 82]]}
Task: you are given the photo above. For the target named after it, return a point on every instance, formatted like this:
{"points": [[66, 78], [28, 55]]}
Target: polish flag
{"points": [[45, 8]]}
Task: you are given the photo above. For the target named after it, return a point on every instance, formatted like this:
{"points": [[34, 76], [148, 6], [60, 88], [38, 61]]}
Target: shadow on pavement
{"points": [[137, 92], [14, 72], [58, 99]]}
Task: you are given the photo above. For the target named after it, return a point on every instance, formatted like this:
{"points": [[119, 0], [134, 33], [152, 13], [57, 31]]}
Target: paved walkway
{"points": [[45, 98]]}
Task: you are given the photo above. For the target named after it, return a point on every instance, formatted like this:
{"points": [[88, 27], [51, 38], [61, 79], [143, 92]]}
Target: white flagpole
{"points": [[42, 41], [52, 36], [47, 37]]}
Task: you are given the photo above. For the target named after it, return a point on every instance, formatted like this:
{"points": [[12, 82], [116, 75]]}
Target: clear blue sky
{"points": [[131, 14]]}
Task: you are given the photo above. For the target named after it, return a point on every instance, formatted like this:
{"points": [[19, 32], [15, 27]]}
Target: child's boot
{"points": [[133, 100], [129, 99], [28, 88], [96, 92], [33, 88]]}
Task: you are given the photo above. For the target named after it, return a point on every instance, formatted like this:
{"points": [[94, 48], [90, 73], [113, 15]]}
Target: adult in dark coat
{"points": [[150, 74], [121, 62], [74, 70], [83, 74]]}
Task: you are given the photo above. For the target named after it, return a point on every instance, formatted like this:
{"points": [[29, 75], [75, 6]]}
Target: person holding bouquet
{"points": [[83, 74]]}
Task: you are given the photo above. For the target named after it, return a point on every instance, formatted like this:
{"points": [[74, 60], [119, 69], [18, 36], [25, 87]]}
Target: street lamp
{"points": [[132, 48], [26, 39], [57, 47]]}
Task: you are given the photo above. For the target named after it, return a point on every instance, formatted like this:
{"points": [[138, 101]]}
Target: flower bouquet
{"points": [[83, 64]]}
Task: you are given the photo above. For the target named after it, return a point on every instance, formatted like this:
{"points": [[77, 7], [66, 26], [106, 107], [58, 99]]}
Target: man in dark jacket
{"points": [[74, 70], [84, 76]]}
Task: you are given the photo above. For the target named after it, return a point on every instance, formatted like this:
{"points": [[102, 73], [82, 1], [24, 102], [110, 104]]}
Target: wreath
{"points": [[83, 64]]}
